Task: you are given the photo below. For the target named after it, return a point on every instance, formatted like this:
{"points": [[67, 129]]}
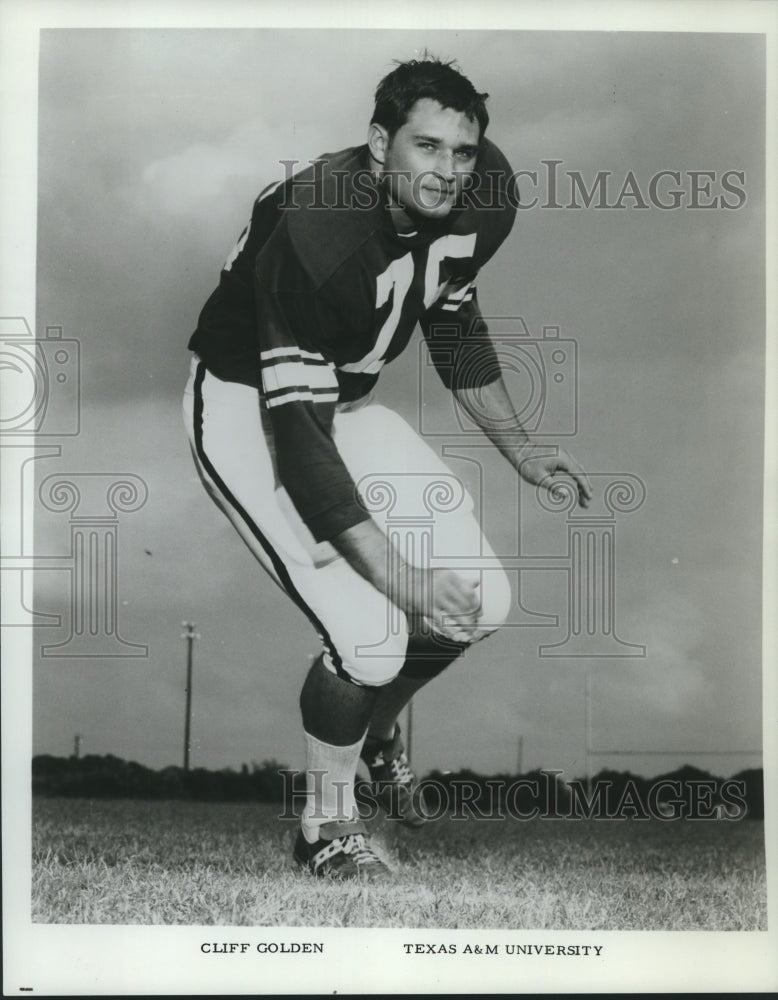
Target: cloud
{"points": [[189, 181]]}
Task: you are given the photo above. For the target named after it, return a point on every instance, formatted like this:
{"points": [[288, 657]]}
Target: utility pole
{"points": [[190, 635], [77, 745], [520, 755], [588, 731]]}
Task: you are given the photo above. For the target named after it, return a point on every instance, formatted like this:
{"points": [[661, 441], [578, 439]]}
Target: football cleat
{"points": [[394, 783], [348, 856]]}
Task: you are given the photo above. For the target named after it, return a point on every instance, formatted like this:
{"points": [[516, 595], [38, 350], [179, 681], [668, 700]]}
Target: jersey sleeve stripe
{"points": [[454, 299], [288, 374], [292, 352], [301, 395]]}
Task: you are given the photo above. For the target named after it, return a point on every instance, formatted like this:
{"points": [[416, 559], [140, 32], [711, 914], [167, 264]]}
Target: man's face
{"points": [[428, 158]]}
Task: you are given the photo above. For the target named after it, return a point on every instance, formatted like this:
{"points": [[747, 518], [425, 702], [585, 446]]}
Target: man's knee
{"points": [[373, 666], [496, 600]]}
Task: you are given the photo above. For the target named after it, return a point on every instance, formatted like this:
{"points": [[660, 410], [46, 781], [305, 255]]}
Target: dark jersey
{"points": [[321, 291]]}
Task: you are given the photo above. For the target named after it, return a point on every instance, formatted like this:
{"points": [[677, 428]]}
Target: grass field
{"points": [[151, 862]]}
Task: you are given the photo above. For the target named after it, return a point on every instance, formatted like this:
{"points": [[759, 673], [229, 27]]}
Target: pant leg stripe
{"points": [[278, 564]]}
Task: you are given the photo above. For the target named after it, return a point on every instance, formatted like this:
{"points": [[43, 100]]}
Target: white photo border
{"points": [[101, 960]]}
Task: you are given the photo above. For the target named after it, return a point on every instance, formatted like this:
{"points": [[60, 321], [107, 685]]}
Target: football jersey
{"points": [[321, 291]]}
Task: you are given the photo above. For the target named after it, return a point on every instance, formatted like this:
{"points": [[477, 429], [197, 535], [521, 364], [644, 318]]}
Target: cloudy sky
{"points": [[152, 146]]}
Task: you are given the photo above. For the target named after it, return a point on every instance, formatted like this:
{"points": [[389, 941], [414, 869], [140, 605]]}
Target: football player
{"points": [[338, 264]]}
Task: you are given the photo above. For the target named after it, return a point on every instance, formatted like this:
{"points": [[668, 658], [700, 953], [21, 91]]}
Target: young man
{"points": [[324, 287]]}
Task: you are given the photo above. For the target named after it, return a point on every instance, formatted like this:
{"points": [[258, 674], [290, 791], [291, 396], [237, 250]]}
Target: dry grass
{"points": [[138, 862]]}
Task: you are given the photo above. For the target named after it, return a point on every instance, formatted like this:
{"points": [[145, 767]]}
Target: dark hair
{"points": [[427, 77]]}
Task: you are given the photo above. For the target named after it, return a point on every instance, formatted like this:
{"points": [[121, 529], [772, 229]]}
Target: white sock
{"points": [[330, 794]]}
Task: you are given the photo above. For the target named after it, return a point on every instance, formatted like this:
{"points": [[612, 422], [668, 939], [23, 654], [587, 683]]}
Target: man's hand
{"points": [[546, 467], [445, 598], [449, 602]]}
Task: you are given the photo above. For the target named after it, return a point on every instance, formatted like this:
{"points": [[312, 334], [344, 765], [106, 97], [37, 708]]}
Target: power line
{"points": [[674, 753], [591, 751]]}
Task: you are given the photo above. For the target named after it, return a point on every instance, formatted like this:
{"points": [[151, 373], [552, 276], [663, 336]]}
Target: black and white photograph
{"points": [[426, 648]]}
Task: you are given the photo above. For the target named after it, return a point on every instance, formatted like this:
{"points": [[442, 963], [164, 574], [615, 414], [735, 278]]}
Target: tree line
{"points": [[620, 793]]}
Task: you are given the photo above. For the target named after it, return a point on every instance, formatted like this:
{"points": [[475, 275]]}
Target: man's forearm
{"points": [[366, 548], [491, 408]]}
